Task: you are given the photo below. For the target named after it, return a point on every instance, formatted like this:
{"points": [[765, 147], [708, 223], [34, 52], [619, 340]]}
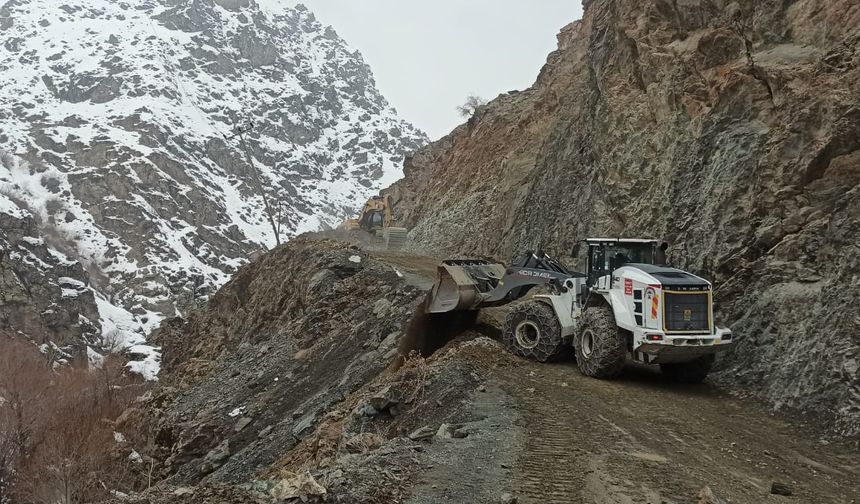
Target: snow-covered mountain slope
{"points": [[120, 115], [47, 296]]}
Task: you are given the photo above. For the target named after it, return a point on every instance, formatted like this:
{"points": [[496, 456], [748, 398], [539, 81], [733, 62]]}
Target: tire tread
{"points": [[610, 344], [550, 344]]}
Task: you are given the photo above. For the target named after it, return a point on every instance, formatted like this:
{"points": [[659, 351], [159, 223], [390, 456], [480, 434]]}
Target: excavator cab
{"points": [[373, 220], [376, 219]]}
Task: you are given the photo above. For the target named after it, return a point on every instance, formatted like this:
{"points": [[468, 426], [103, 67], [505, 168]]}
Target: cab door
{"points": [[598, 273]]}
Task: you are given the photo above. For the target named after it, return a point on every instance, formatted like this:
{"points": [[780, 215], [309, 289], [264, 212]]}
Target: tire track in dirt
{"points": [[641, 439], [560, 462], [546, 470]]}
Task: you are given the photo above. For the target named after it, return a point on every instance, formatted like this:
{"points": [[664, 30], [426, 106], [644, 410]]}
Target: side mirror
{"points": [[575, 252]]}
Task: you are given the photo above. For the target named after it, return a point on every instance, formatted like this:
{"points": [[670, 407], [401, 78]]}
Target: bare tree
{"points": [[272, 215], [56, 434], [472, 104], [24, 380], [8, 451]]}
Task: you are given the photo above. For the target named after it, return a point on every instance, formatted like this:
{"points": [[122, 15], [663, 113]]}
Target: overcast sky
{"points": [[428, 55]]}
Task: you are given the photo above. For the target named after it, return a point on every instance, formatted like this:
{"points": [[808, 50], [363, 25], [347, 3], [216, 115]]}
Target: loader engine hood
{"points": [[671, 277], [683, 304]]}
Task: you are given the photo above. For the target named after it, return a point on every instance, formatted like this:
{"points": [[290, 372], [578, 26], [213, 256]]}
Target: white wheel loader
{"points": [[625, 306]]}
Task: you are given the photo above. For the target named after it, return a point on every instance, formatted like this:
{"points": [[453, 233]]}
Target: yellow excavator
{"points": [[376, 219]]}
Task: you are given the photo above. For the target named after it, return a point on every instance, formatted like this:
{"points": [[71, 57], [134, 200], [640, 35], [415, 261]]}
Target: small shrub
{"points": [[472, 104]]}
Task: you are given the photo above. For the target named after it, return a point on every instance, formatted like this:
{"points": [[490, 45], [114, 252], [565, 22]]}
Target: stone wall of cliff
{"points": [[730, 129]]}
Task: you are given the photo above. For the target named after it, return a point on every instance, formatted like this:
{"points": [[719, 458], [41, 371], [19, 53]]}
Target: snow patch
{"points": [[95, 360], [122, 331], [7, 206]]}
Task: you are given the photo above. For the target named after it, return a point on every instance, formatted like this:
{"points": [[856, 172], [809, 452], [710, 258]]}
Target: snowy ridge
{"points": [[121, 113]]}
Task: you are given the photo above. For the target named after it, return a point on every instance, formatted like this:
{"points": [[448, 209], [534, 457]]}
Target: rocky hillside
{"points": [[296, 383], [43, 293], [117, 118], [731, 129], [252, 374]]}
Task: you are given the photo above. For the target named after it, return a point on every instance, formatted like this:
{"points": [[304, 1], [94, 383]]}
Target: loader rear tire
{"points": [[532, 331], [601, 346], [694, 371]]}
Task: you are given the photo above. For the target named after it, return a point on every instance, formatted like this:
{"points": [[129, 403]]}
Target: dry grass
{"points": [[414, 374]]}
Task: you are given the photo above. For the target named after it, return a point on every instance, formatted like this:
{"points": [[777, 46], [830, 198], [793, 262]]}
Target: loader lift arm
{"points": [[474, 284]]}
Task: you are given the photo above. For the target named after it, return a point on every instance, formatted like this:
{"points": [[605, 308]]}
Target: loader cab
{"points": [[605, 255]]}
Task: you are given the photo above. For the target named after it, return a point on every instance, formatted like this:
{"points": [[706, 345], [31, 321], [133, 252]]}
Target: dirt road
{"points": [[643, 439]]}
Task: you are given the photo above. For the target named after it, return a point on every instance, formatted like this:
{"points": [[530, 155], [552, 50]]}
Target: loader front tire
{"points": [[601, 346], [694, 371], [532, 331]]}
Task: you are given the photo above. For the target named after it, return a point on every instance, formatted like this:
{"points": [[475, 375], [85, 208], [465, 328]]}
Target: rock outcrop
{"points": [[730, 129], [44, 295], [58, 301]]}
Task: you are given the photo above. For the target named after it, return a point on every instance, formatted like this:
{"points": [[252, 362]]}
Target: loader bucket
{"points": [[461, 285]]}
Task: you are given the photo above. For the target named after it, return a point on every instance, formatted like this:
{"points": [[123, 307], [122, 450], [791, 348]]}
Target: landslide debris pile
{"points": [[279, 386], [730, 129], [291, 335]]}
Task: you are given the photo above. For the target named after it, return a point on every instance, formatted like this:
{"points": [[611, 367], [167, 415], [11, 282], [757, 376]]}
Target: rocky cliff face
{"points": [[731, 129], [43, 293], [119, 116]]}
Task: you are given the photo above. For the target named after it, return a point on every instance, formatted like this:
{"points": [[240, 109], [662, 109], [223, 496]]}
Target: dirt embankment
{"points": [[250, 375], [294, 397]]}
